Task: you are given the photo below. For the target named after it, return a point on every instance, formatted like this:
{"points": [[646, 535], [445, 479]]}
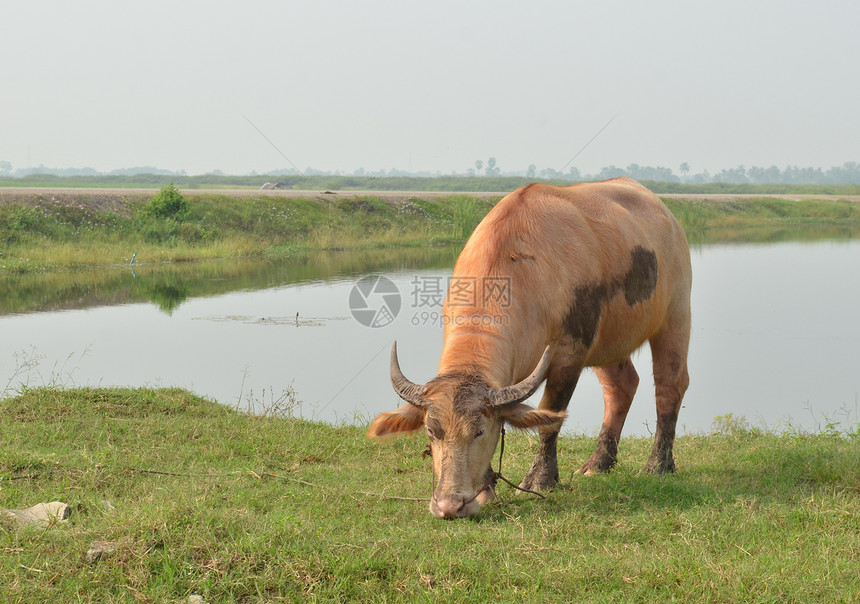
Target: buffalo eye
{"points": [[435, 431], [479, 434]]}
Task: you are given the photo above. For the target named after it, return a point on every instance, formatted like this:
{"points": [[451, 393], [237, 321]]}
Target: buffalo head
{"points": [[463, 417]]}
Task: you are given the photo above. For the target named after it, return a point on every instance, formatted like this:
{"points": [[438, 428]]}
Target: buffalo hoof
{"points": [[597, 464], [539, 480], [659, 465]]}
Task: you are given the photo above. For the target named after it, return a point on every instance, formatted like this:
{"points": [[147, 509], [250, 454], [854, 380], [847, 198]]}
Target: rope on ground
{"points": [[261, 475]]}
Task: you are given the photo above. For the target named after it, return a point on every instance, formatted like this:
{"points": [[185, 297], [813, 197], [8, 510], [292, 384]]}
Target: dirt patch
{"points": [[116, 201], [119, 200]]}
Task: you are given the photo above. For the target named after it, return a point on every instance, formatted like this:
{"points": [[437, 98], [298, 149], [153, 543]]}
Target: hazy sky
{"points": [[429, 85]]}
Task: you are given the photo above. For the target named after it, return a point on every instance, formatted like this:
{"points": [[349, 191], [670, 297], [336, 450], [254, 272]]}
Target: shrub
{"points": [[167, 203]]}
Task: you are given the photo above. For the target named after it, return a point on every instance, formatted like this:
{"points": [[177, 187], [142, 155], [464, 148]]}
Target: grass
{"points": [[761, 211], [41, 234], [203, 499]]}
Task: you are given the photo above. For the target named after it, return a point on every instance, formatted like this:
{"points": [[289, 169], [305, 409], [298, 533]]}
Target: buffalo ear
{"points": [[524, 417], [407, 418]]}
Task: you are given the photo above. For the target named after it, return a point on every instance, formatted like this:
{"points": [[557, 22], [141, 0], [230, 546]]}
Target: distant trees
{"points": [[701, 178], [492, 170], [738, 174], [846, 174], [658, 173], [611, 172], [768, 175], [553, 174]]}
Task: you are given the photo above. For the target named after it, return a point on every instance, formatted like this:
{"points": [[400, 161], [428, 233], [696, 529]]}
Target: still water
{"points": [[776, 334]]}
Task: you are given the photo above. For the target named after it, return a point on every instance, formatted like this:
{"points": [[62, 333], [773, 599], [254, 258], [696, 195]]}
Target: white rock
{"points": [[42, 515], [99, 550]]}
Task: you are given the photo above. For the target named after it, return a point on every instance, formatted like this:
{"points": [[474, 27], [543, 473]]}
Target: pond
{"points": [[776, 333]]}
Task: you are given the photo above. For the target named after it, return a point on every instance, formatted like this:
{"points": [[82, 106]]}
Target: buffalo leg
{"points": [[619, 382], [669, 353], [543, 474]]}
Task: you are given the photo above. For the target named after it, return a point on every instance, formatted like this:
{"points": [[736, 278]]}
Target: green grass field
{"points": [[200, 499], [38, 235]]}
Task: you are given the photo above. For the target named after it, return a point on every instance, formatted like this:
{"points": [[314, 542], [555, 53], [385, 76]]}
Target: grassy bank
{"points": [[44, 233], [700, 217], [200, 499]]}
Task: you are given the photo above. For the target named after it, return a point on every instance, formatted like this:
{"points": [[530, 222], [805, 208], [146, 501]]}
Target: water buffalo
{"points": [[553, 280]]}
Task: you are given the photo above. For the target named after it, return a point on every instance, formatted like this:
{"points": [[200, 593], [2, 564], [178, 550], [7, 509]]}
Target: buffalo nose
{"points": [[450, 507]]}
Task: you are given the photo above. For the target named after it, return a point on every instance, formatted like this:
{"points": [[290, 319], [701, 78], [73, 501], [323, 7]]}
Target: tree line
{"points": [[846, 174]]}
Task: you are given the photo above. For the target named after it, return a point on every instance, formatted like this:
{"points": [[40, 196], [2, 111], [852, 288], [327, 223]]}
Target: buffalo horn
{"points": [[408, 391], [524, 389]]}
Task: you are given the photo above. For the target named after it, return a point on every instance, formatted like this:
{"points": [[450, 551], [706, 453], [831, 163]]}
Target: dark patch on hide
{"points": [[584, 316], [471, 396], [638, 284], [468, 392], [641, 279]]}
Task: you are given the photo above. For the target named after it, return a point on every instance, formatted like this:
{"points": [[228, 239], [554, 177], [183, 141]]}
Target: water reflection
{"points": [[747, 235], [169, 285], [167, 296]]}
